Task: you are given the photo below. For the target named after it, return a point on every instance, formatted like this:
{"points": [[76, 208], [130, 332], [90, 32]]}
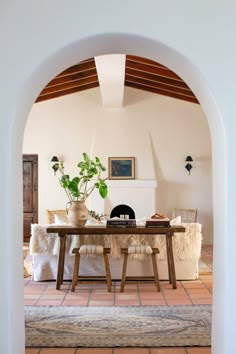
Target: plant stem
{"points": [[89, 191]]}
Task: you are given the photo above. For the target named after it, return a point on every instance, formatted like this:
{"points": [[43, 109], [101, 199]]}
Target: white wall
{"points": [[159, 131], [195, 39]]}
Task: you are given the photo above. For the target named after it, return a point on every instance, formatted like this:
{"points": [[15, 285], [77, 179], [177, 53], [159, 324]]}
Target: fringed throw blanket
{"points": [[186, 246]]}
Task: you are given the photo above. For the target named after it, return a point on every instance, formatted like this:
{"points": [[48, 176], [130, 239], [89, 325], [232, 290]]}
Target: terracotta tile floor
{"points": [[138, 294]]}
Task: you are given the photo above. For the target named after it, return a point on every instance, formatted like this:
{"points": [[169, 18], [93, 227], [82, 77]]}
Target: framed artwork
{"points": [[121, 167]]}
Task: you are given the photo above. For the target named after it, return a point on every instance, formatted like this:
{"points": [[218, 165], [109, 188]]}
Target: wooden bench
{"points": [[88, 250], [140, 249]]}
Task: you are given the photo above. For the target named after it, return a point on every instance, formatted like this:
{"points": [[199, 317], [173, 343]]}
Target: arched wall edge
{"points": [[38, 78]]}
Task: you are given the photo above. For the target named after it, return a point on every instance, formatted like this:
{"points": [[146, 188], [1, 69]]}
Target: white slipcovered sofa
{"points": [[186, 246]]}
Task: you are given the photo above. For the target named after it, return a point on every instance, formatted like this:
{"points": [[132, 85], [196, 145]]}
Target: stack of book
{"points": [[121, 223], [158, 222]]}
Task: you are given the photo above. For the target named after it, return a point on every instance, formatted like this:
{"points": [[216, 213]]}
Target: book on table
{"points": [[121, 223], [158, 222]]}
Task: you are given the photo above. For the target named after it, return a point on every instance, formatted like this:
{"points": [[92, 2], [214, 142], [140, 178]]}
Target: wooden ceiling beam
{"points": [[145, 61], [141, 73], [162, 92], [151, 69], [66, 92], [157, 79], [69, 85], [158, 85], [83, 66], [72, 77]]}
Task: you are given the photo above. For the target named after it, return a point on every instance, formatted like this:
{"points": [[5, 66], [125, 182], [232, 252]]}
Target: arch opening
{"points": [[136, 45]]}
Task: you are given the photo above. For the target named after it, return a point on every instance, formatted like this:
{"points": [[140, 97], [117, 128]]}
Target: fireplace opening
{"points": [[122, 209]]}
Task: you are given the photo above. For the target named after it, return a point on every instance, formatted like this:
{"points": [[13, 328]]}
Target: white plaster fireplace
{"points": [[139, 194]]}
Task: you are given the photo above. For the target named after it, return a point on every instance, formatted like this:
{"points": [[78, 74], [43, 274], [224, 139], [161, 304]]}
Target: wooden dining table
{"points": [[64, 230]]}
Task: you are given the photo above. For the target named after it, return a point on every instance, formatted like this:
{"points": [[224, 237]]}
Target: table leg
{"points": [[171, 263], [61, 261], [168, 258]]}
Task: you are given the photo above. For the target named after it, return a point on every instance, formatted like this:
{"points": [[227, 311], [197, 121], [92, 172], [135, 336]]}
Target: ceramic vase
{"points": [[77, 213]]}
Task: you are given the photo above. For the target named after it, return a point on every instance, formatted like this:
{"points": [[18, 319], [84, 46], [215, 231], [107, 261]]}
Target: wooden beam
{"points": [[66, 92], [84, 66], [72, 77], [145, 61], [141, 73], [152, 69], [158, 85], [156, 78], [69, 85], [162, 92]]}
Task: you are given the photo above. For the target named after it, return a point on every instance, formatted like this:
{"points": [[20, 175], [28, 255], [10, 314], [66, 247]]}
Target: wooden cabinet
{"points": [[30, 193]]}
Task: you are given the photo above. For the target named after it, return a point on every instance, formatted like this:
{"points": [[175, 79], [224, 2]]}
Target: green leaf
{"points": [[103, 190], [65, 181], [76, 180], [81, 164], [89, 171], [73, 187]]}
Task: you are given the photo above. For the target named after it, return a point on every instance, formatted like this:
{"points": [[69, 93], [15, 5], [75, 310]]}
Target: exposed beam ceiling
{"points": [[140, 73]]}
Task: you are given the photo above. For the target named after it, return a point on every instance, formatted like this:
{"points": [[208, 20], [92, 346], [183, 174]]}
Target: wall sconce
{"points": [[189, 165], [55, 164], [54, 159]]}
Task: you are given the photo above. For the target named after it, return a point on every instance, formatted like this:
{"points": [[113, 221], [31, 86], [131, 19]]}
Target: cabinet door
{"points": [[30, 193]]}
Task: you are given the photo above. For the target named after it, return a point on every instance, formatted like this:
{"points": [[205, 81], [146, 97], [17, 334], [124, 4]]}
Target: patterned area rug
{"points": [[118, 326]]}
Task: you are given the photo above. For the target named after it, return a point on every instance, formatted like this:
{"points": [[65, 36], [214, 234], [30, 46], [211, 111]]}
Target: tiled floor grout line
{"points": [[89, 297], [113, 350], [139, 297], [164, 297], [65, 294], [114, 289], [45, 288], [210, 291], [208, 264], [26, 282], [138, 292], [189, 296], [39, 297]]}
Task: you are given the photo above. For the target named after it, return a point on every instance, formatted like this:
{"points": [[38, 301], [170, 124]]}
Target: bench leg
{"points": [[155, 271], [107, 269], [122, 285], [75, 272]]}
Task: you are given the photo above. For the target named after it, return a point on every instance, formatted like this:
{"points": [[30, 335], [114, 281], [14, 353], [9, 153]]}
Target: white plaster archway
{"points": [[58, 61]]}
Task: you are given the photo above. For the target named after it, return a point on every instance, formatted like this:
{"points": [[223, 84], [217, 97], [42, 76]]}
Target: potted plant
{"points": [[79, 188]]}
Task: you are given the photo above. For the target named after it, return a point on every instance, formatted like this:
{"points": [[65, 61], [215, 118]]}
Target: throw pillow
{"points": [[176, 220], [60, 219]]}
